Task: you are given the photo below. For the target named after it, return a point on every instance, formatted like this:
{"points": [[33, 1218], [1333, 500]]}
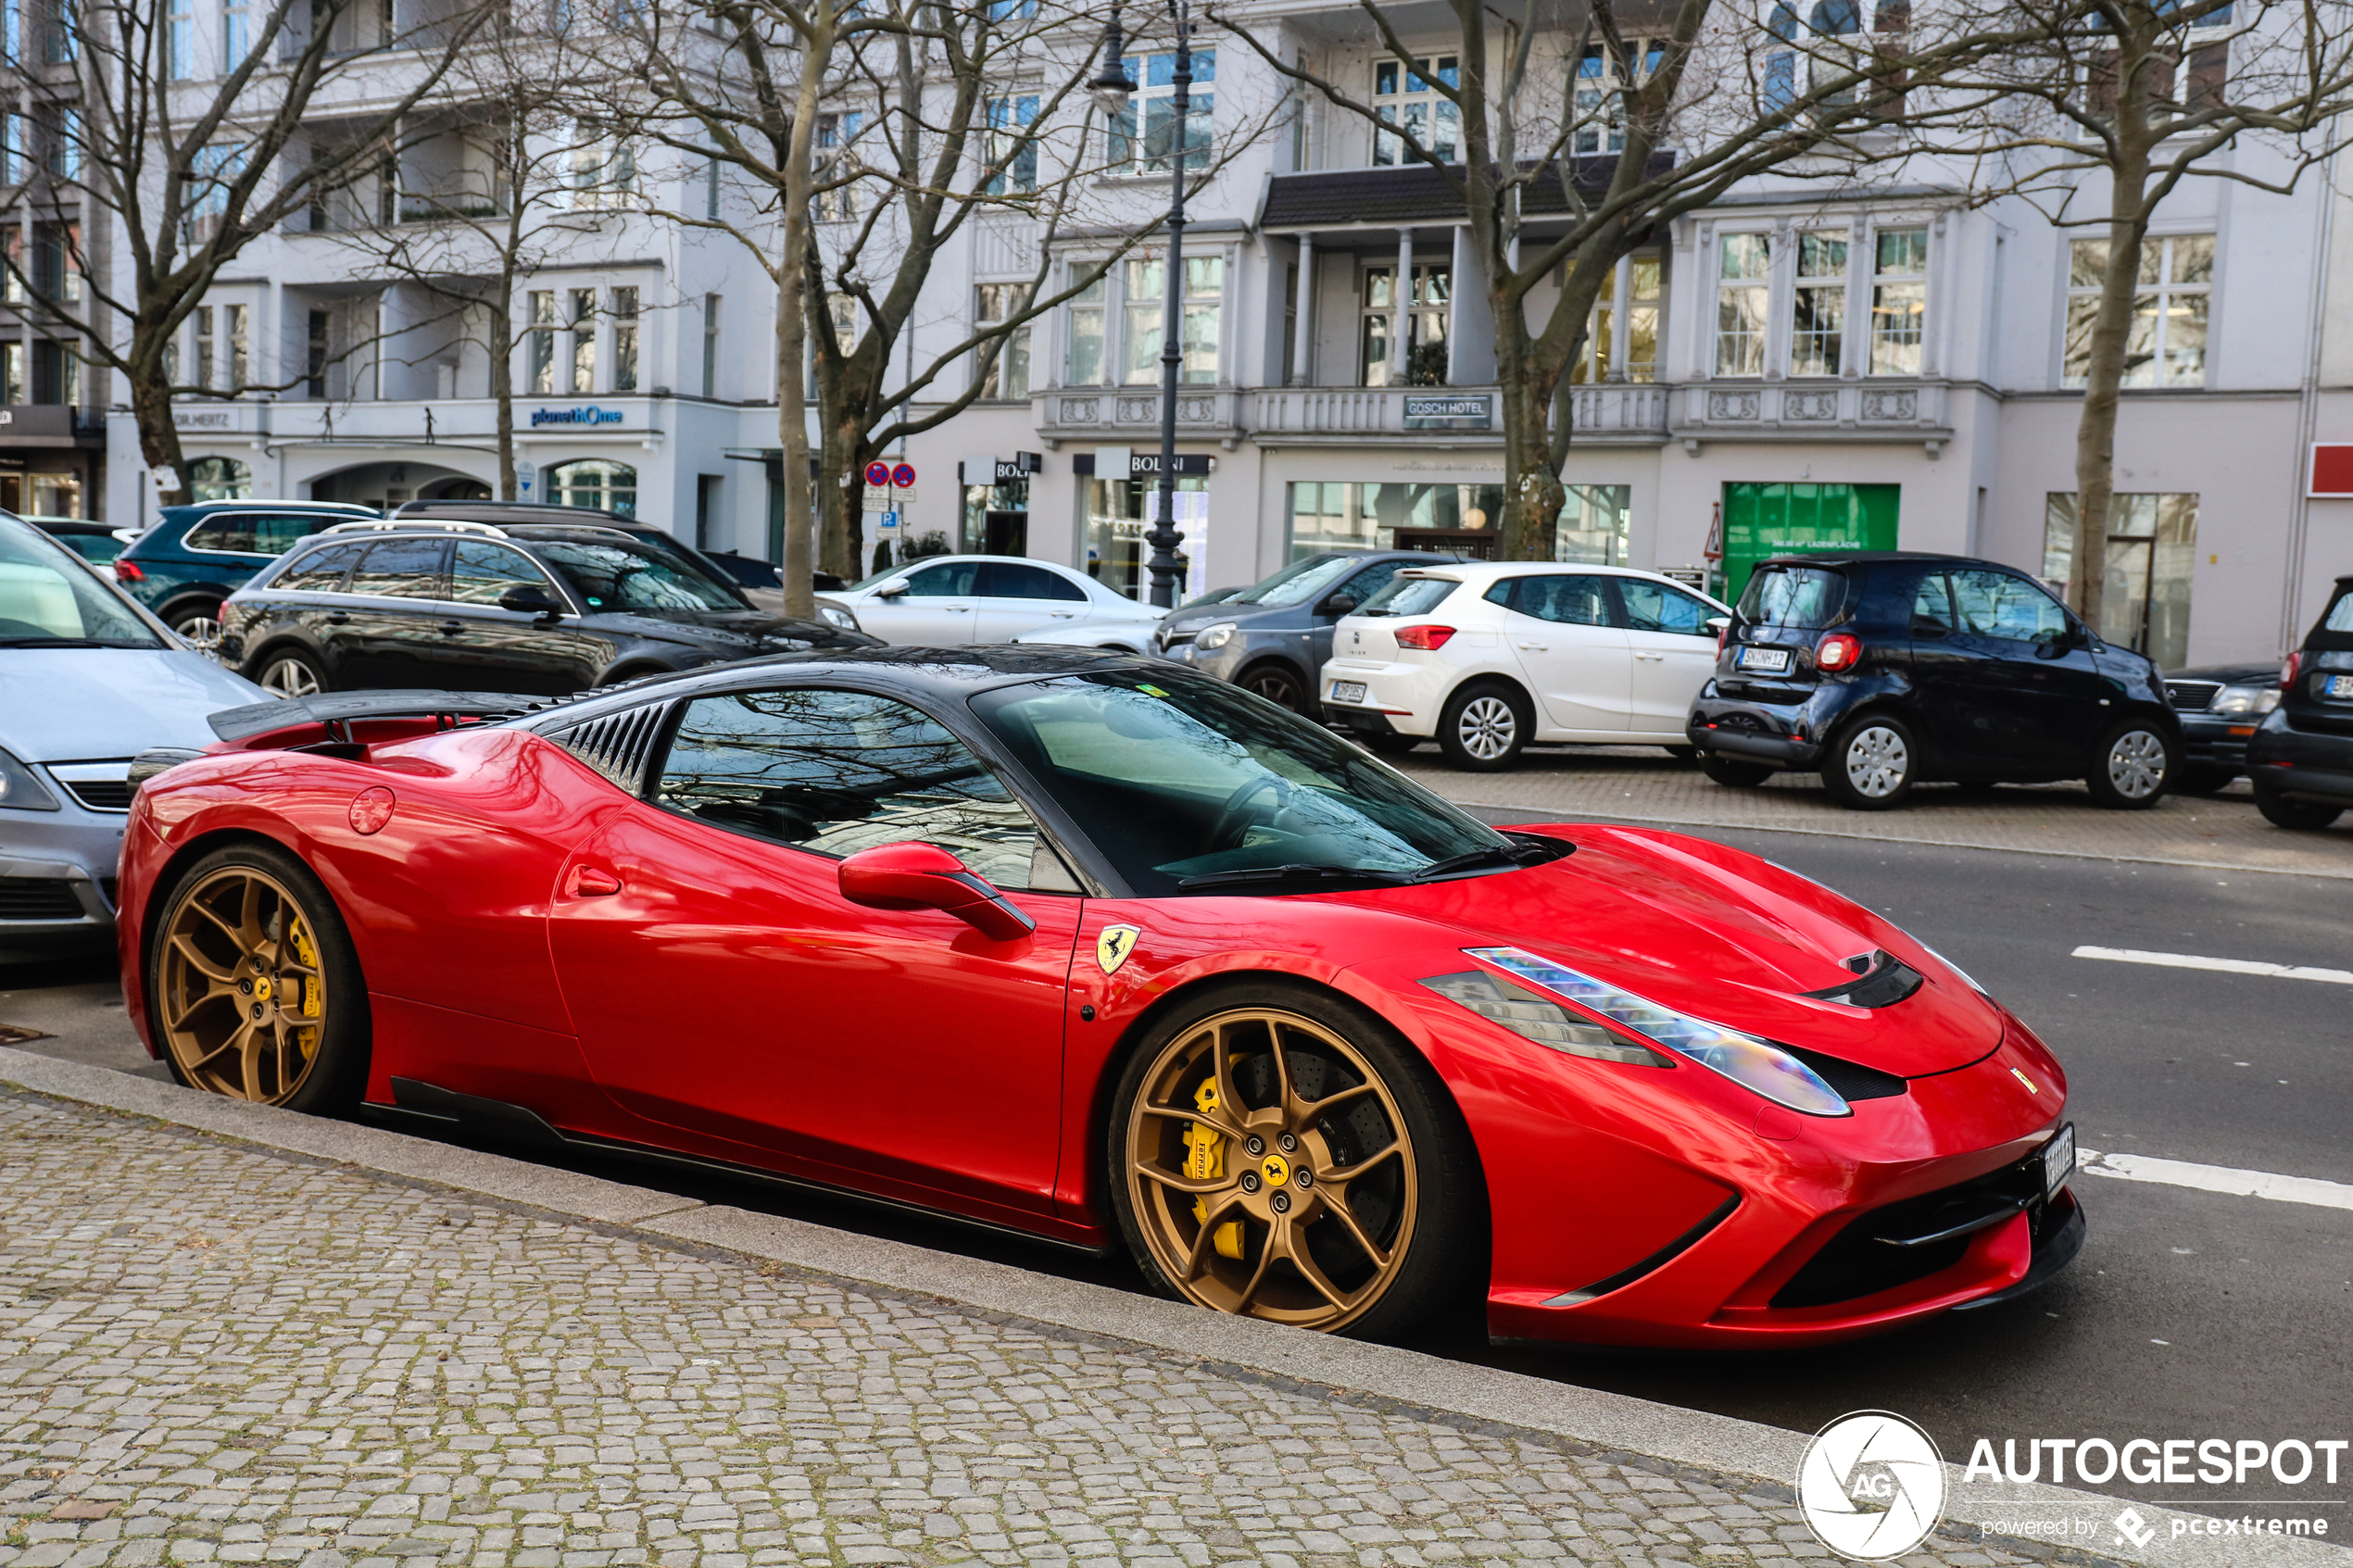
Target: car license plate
{"points": [[1348, 691], [2058, 1160], [1768, 661], [2341, 686]]}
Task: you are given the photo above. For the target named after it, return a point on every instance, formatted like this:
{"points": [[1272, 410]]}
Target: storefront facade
{"points": [[52, 461]]}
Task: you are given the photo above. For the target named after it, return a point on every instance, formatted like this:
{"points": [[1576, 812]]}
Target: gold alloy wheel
{"points": [[242, 998], [1270, 1170]]}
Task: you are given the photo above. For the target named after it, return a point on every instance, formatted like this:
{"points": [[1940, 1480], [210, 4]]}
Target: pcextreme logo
{"points": [[1871, 1485]]}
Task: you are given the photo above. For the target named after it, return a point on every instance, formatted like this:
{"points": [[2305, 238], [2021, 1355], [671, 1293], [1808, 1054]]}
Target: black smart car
{"points": [[1884, 668], [2300, 761], [536, 607], [2219, 706]]}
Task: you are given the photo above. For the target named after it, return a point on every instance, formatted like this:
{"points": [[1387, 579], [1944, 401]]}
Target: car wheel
{"points": [[1732, 773], [253, 988], [1873, 764], [1483, 727], [2194, 778], [199, 621], [1390, 745], [2130, 767], [292, 674], [1276, 1154], [2302, 816], [1277, 684]]}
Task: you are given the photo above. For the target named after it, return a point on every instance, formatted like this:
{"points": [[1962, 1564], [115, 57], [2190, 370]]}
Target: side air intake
{"points": [[616, 746]]}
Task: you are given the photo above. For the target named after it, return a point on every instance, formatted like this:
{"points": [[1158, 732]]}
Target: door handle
{"points": [[589, 882], [338, 618], [1536, 647], [1654, 658], [451, 628]]}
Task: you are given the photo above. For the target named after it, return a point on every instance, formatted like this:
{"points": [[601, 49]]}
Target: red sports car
{"points": [[1095, 949]]}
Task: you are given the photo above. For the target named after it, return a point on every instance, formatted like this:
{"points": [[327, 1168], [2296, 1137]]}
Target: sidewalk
{"points": [[1645, 784]]}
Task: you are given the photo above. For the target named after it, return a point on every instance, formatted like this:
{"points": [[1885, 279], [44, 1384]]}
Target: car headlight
{"points": [[2245, 699], [839, 616], [1216, 636], [1757, 1066], [1532, 1017], [21, 791]]}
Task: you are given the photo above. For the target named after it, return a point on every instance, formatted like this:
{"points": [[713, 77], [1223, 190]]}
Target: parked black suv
{"points": [[534, 606], [2301, 759], [1884, 668]]}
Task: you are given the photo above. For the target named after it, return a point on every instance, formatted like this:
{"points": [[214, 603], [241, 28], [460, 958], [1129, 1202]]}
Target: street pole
{"points": [[1163, 536]]}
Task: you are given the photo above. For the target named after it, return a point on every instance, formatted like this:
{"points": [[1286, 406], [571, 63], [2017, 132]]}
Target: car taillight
{"points": [[128, 572], [2287, 671], [1429, 639], [1840, 650]]}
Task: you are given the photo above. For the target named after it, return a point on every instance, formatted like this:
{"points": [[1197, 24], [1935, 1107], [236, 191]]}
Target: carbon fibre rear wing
{"points": [[336, 713]]}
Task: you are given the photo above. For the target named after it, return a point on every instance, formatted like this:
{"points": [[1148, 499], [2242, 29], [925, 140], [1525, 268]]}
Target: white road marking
{"points": [[2227, 966], [2216, 1178]]}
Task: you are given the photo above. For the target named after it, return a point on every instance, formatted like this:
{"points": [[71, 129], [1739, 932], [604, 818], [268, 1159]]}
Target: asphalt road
{"points": [[2190, 1315]]}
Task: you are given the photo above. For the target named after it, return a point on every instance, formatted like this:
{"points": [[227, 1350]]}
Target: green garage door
{"points": [[1765, 520]]}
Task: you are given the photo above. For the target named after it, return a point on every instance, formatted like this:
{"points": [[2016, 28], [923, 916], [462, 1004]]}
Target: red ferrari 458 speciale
{"points": [[1096, 949]]}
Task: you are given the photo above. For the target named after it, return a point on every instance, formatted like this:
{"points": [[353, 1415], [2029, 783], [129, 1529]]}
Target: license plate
{"points": [[2058, 1160], [1770, 661], [1348, 691], [2341, 686]]}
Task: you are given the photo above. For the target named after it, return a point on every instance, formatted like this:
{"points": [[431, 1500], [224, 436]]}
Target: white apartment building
{"points": [[1885, 369]]}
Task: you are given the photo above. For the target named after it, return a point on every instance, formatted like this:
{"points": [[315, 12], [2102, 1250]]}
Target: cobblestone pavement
{"points": [[1645, 784], [212, 1354]]}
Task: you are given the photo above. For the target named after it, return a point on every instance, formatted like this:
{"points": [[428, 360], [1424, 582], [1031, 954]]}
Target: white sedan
{"points": [[1485, 656], [953, 599]]}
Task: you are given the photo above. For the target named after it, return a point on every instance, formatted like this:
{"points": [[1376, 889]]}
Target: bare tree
{"points": [[186, 169]]}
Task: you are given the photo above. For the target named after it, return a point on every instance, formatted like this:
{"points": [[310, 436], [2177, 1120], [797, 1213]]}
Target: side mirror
{"points": [[923, 876], [1338, 605], [1719, 624], [891, 590], [529, 598]]}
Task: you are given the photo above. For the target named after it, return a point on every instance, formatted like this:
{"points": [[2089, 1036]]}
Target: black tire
{"points": [[1279, 683], [1484, 725], [1733, 774], [2131, 767], [2200, 778], [333, 1075], [2298, 816], [1441, 1224], [1390, 745], [197, 620], [1872, 763], [1687, 755], [290, 673]]}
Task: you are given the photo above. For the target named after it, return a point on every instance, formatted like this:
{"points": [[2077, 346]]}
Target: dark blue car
{"points": [[2300, 761], [1882, 668], [197, 555]]}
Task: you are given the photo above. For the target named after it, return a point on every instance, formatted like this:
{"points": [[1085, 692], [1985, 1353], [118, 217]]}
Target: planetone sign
{"points": [[587, 415]]}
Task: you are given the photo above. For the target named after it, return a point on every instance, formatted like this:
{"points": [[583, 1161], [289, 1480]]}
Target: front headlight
{"points": [[2245, 699], [1754, 1064], [839, 616], [21, 791], [1532, 1017], [1216, 636]]}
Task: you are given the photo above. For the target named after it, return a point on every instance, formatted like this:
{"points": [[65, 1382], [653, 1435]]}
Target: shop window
{"points": [[2144, 593], [1760, 521], [1464, 520], [1152, 103], [595, 481], [219, 478], [1116, 509], [2166, 344], [1405, 95], [1744, 281], [1425, 316]]}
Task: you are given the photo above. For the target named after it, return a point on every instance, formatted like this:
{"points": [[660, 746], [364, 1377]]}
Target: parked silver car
{"points": [[88, 678]]}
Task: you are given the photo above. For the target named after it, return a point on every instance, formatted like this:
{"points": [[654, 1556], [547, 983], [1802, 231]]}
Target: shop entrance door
{"points": [[1004, 534], [1765, 520]]}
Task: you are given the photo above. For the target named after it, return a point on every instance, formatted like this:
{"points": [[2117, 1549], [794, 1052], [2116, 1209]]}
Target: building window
{"points": [[1603, 81], [1744, 271], [583, 339], [1404, 94], [711, 345], [595, 481], [709, 188], [200, 328], [604, 165], [236, 36], [1154, 104], [314, 364], [1083, 359], [542, 342], [1425, 316], [1817, 304], [179, 41], [64, 33], [625, 340], [11, 148], [234, 339], [1009, 147], [2152, 544], [2165, 344], [219, 478], [1596, 362], [836, 198], [1780, 65], [12, 373], [1899, 301], [1147, 290], [1116, 514], [1008, 377]]}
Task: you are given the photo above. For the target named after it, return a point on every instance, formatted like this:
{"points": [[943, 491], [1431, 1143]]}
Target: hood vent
{"points": [[1882, 980], [617, 746]]}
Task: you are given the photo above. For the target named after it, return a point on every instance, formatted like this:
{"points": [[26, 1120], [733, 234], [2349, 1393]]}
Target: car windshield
{"points": [[617, 575], [49, 599], [1806, 597], [1189, 785], [1298, 583]]}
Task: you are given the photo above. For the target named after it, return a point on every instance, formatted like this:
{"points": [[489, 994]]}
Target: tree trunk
{"points": [[158, 436], [502, 388], [841, 509], [2111, 332]]}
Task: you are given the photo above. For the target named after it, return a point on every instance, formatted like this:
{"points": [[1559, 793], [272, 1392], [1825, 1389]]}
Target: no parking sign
{"points": [[877, 475]]}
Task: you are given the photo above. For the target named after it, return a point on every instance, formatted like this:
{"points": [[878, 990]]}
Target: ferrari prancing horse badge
{"points": [[1113, 946]]}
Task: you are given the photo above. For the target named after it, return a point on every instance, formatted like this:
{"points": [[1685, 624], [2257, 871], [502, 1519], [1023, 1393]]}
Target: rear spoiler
{"points": [[335, 712]]}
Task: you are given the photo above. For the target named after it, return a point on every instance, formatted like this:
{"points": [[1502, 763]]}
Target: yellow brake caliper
{"points": [[309, 988], [1205, 1161]]}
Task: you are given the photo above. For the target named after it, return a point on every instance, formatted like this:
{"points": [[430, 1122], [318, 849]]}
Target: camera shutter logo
{"points": [[1871, 1485]]}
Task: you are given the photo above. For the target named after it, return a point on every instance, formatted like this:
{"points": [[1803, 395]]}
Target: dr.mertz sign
{"points": [[591, 415], [1438, 411]]}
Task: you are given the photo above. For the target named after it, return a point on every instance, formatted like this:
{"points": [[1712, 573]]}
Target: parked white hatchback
{"points": [[950, 600], [1486, 657]]}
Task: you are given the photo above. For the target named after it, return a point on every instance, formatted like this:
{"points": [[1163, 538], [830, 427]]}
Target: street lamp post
{"points": [[1111, 85]]}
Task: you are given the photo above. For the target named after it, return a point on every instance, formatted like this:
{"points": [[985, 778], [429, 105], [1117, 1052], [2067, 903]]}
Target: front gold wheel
{"points": [[242, 997], [1270, 1170]]}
